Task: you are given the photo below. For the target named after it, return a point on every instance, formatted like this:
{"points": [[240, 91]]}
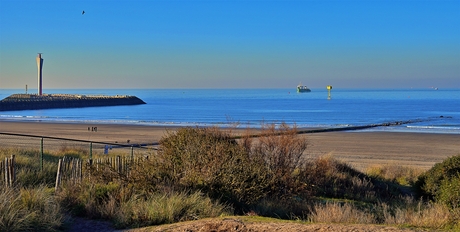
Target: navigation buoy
{"points": [[329, 87]]}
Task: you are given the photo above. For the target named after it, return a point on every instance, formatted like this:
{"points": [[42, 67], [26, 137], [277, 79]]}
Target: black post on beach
{"points": [[41, 154]]}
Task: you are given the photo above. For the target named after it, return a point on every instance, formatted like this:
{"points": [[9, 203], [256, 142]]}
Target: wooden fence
{"points": [[8, 171], [71, 170]]}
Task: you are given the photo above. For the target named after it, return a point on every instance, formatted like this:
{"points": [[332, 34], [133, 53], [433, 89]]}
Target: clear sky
{"points": [[230, 44]]}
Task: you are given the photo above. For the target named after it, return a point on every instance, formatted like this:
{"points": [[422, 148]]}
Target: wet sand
{"points": [[359, 149]]}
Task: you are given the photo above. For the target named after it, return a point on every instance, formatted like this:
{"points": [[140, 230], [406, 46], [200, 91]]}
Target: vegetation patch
{"points": [[442, 182], [206, 172]]}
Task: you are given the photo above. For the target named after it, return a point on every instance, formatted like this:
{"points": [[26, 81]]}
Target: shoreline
{"points": [[361, 149], [391, 126]]}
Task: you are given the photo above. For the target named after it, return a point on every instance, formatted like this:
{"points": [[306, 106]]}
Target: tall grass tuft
{"points": [[418, 214], [29, 209], [334, 212], [127, 207], [161, 208]]}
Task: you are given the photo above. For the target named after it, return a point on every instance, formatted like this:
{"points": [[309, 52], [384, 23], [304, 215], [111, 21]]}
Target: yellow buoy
{"points": [[329, 87]]}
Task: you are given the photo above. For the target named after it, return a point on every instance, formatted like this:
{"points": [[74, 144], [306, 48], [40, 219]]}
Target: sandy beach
{"points": [[360, 149]]}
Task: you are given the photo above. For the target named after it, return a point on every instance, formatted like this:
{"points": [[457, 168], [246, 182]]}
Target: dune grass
{"points": [[29, 209], [202, 172]]}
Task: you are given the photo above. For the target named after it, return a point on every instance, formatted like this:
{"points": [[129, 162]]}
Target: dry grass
{"points": [[26, 209], [163, 208], [333, 212], [403, 175], [419, 214], [129, 209]]}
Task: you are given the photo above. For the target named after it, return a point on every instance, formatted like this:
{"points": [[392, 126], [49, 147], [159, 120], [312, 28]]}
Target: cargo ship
{"points": [[302, 88], [53, 101]]}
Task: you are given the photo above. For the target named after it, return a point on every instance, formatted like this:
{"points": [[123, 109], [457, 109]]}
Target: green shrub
{"points": [[442, 182], [449, 192]]}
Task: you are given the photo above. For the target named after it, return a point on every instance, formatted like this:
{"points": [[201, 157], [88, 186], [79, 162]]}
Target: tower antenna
{"points": [[40, 73]]}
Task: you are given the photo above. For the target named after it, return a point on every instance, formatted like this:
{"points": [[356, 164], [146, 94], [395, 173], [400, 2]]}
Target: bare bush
{"points": [[281, 149], [210, 160]]}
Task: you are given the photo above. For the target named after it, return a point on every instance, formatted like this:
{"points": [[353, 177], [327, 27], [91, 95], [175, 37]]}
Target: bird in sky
{"points": [[83, 12]]}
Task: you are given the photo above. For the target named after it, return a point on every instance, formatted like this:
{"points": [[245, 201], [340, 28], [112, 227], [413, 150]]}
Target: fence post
{"points": [[10, 175], [58, 176], [90, 153], [12, 170], [41, 154], [7, 173], [132, 153]]}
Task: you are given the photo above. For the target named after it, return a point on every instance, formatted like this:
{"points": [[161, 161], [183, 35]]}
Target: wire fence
{"points": [[51, 149], [45, 143]]}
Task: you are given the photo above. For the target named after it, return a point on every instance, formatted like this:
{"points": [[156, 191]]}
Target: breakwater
{"points": [[54, 101], [346, 128]]}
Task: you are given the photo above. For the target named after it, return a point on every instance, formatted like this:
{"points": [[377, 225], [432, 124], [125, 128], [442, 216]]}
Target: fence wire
{"points": [[37, 147]]}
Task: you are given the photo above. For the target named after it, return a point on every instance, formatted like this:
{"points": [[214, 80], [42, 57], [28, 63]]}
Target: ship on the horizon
{"points": [[302, 88]]}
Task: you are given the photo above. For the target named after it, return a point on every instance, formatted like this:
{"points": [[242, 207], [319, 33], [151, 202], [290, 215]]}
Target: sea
{"points": [[431, 110]]}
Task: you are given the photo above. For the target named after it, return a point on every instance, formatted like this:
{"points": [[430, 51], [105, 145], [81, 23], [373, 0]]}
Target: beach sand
{"points": [[359, 149]]}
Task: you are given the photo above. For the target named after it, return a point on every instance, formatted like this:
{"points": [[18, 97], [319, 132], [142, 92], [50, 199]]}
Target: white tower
{"points": [[39, 66]]}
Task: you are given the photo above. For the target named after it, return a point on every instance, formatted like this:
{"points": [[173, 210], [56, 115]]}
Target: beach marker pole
{"points": [[41, 154]]}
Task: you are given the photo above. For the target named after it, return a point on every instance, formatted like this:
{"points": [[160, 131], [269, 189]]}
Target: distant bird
{"points": [[83, 12]]}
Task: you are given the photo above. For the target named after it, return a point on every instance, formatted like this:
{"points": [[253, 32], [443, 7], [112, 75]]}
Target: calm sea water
{"points": [[439, 109]]}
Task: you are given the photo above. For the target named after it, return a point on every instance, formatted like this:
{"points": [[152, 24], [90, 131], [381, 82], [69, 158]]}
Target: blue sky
{"points": [[230, 44]]}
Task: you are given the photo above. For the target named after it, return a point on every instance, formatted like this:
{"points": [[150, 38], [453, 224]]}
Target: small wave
{"points": [[435, 127]]}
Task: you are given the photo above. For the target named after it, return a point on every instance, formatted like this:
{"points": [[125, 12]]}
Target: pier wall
{"points": [[54, 101]]}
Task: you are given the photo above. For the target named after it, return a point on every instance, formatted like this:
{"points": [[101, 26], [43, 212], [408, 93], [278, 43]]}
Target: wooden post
{"points": [[132, 153], [12, 171], [120, 165], [58, 176], [41, 154], [80, 170], [7, 174], [90, 153]]}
